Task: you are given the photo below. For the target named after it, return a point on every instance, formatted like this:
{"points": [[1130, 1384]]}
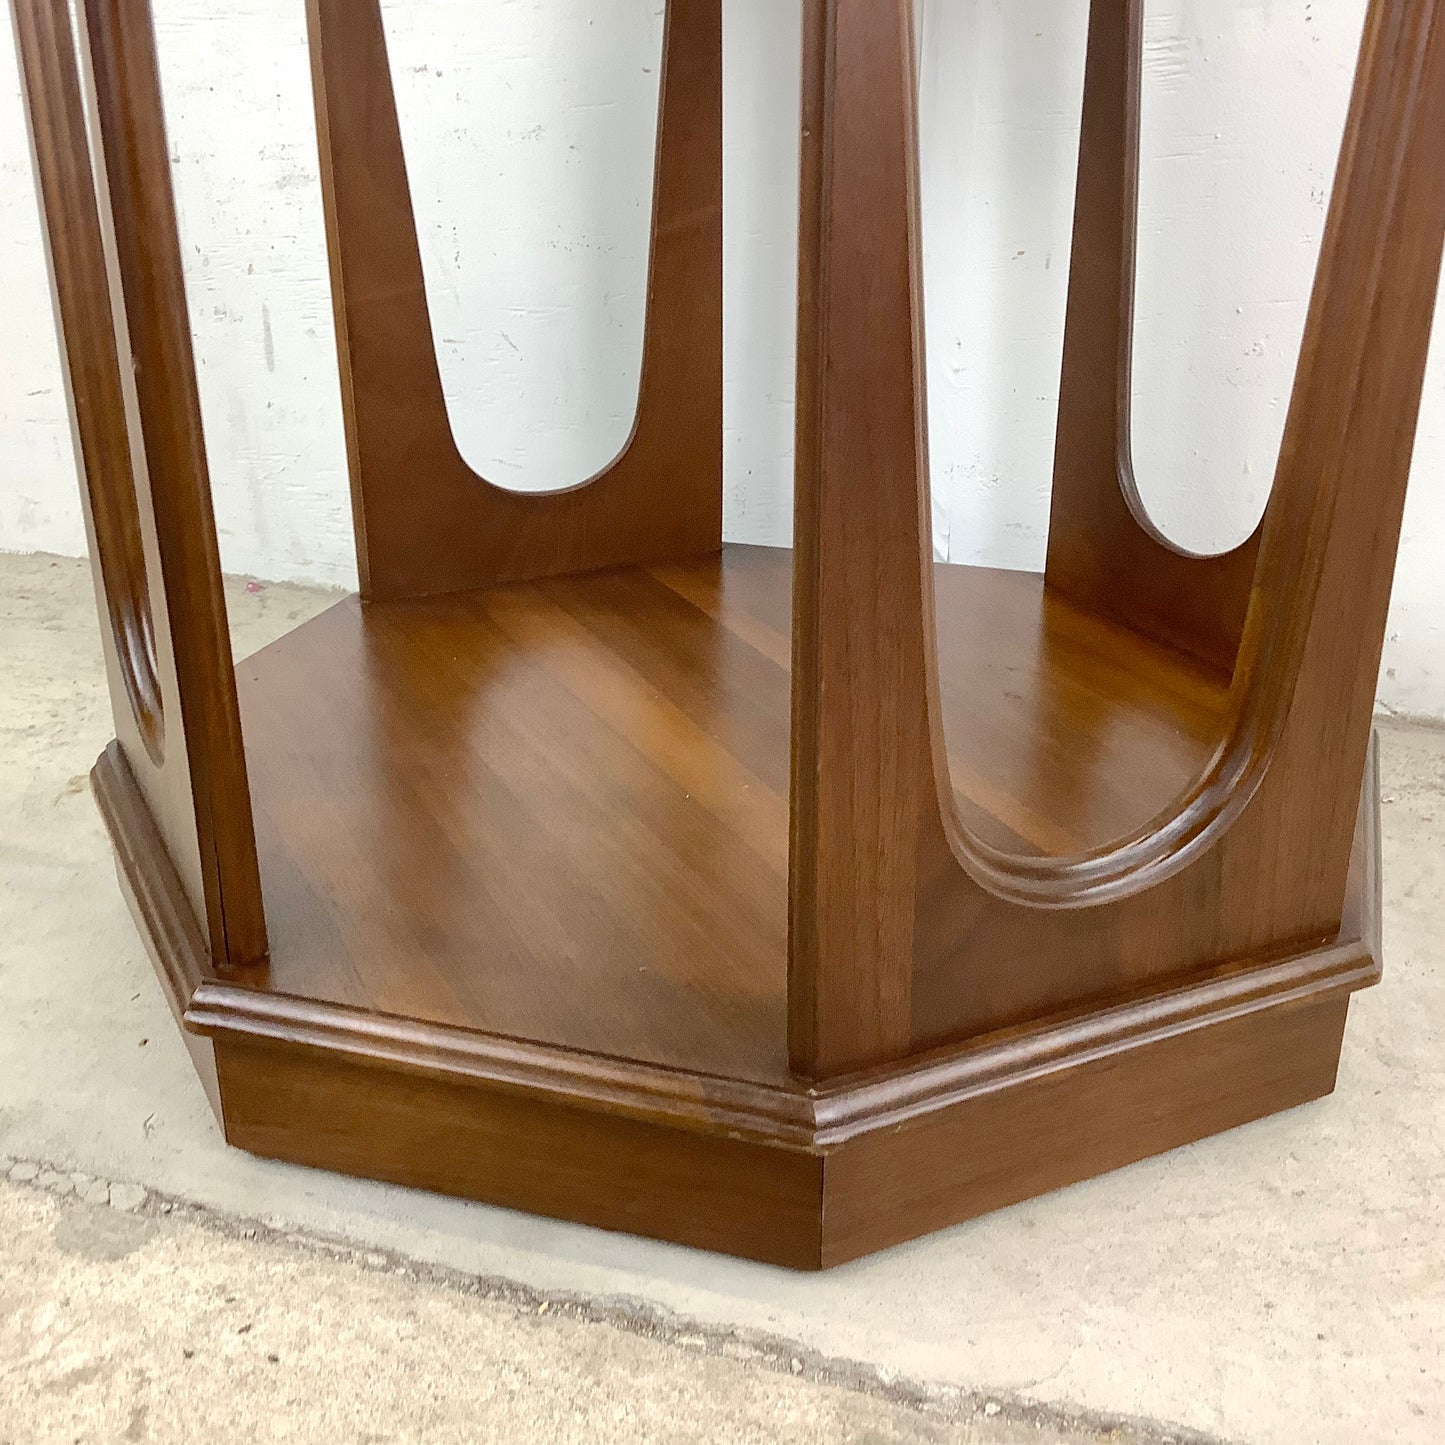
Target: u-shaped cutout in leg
{"points": [[1103, 551], [426, 523]]}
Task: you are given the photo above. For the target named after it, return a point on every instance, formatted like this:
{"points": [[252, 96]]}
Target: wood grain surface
{"points": [[1104, 552], [425, 521], [805, 1177], [116, 272], [559, 810]]}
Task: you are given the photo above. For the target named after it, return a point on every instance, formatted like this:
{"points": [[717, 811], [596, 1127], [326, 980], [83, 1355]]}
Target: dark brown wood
{"points": [[1064, 732], [116, 273], [92, 370], [1251, 854], [178, 949], [1305, 687], [708, 1191], [790, 904], [1104, 552], [426, 523]]}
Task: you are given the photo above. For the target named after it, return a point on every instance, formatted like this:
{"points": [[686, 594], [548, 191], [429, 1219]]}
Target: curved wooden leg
{"points": [[1104, 553], [1311, 656], [179, 772], [904, 929], [425, 522]]}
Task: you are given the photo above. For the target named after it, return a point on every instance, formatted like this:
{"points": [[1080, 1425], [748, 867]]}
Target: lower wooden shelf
{"points": [[524, 857]]}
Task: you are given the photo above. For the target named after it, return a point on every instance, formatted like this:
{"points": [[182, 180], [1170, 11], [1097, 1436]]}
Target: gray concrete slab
{"points": [[1283, 1283], [138, 1325]]}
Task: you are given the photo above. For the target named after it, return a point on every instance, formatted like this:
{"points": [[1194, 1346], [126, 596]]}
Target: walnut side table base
{"points": [[774, 1171], [787, 903]]}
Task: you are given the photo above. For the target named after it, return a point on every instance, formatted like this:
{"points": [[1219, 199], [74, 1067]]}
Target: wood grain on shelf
{"points": [[561, 807], [804, 1177]]}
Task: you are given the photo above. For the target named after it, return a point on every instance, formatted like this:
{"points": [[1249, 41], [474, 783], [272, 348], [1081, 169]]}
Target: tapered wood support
{"points": [[1257, 852], [1316, 628], [787, 904], [910, 928], [861, 766]]}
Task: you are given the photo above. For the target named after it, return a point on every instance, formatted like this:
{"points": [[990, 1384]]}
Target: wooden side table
{"points": [[785, 903]]}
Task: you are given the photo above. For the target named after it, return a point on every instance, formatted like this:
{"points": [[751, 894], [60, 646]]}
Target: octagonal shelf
{"points": [[524, 854]]}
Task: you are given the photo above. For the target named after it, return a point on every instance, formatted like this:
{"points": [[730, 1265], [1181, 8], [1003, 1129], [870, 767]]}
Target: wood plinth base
{"points": [[525, 869]]}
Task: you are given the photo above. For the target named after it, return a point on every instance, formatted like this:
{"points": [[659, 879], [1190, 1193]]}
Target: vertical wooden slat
{"points": [[116, 270], [861, 773], [90, 358]]}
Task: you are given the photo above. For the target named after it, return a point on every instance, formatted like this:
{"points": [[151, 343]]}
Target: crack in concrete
{"points": [[943, 1404]]}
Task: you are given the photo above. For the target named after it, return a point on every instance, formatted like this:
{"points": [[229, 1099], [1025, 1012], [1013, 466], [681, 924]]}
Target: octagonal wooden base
{"points": [[547, 887], [549, 972]]}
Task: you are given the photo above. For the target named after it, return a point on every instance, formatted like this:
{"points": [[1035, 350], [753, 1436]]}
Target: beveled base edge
{"points": [[800, 1177]]}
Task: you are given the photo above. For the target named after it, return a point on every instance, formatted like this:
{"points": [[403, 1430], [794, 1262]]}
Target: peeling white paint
{"points": [[528, 126]]}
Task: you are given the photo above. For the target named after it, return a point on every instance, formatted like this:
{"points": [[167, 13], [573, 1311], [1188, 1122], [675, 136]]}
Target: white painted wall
{"points": [[529, 134]]}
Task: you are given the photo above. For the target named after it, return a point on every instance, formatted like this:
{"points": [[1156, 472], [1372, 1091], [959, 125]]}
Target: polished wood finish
{"points": [[998, 1148], [1103, 550], [116, 272], [778, 1171], [862, 789], [426, 523], [1253, 853], [1064, 732], [705, 1190], [785, 903], [559, 810]]}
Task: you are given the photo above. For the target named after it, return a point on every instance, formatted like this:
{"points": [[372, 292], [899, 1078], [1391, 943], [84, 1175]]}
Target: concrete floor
{"points": [[1284, 1283], [151, 1326]]}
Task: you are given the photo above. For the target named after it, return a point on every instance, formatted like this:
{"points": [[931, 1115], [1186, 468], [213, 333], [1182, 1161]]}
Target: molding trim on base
{"points": [[805, 1176]]}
